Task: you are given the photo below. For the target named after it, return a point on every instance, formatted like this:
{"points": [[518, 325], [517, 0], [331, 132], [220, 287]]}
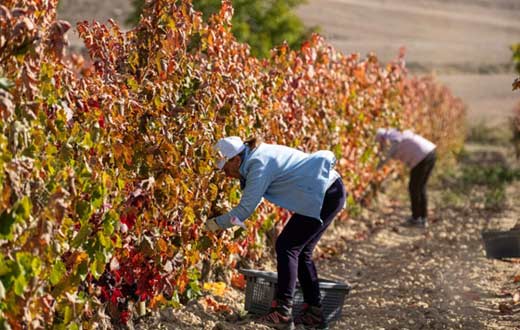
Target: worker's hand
{"points": [[212, 225], [236, 221], [381, 164]]}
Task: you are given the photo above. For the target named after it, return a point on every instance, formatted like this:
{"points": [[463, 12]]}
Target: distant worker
{"points": [[303, 183], [418, 154]]}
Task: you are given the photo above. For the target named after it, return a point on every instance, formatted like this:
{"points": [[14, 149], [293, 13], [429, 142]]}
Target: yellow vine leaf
{"points": [[216, 288]]}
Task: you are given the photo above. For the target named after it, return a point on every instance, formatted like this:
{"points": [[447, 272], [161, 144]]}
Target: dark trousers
{"points": [[418, 178], [296, 243]]}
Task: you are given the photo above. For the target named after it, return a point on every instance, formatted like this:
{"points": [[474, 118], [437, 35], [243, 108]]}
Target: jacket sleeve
{"points": [[257, 181], [389, 154]]}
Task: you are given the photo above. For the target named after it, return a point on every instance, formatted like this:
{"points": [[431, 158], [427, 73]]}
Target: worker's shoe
{"points": [[279, 316], [419, 222], [311, 317]]}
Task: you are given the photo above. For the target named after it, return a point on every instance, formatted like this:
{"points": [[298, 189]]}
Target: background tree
{"points": [[261, 24]]}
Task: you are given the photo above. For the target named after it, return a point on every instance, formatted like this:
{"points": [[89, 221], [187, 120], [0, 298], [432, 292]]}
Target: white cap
{"points": [[228, 148]]}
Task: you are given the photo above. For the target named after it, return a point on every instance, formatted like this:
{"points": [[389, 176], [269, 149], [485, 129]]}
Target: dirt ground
{"points": [[437, 278]]}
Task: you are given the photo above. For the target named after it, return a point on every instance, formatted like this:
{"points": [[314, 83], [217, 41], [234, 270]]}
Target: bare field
{"points": [[465, 42], [436, 33], [489, 97]]}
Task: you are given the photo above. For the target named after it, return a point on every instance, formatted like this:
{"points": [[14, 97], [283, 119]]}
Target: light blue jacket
{"points": [[287, 177]]}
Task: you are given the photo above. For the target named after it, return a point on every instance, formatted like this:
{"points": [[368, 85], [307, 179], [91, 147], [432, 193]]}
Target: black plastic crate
{"points": [[502, 244], [261, 289]]}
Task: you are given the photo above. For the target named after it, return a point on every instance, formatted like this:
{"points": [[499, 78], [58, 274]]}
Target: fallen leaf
{"points": [[216, 288], [215, 306], [238, 281]]}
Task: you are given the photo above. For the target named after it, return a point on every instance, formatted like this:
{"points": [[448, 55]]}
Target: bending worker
{"points": [[417, 153], [305, 184]]}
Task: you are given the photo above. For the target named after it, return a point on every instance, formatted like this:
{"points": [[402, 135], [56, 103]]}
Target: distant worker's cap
{"points": [[390, 134]]}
